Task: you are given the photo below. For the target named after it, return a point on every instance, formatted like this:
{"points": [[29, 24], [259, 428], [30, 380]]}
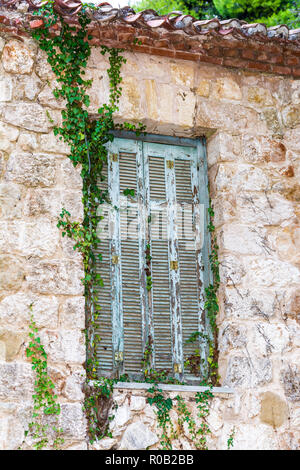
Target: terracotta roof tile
{"points": [[173, 21], [228, 42]]}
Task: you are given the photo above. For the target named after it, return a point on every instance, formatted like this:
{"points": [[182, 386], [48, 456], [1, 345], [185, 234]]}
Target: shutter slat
{"points": [[160, 263], [174, 267], [174, 308], [132, 315]]}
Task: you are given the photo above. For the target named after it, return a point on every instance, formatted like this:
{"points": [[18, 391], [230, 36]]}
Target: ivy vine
{"points": [[44, 397]]}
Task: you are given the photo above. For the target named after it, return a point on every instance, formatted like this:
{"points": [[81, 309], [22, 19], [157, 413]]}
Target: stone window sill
{"points": [[173, 388]]}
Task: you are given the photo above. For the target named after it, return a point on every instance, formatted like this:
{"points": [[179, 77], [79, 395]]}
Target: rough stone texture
{"points": [[251, 121], [17, 58], [138, 437], [274, 410]]}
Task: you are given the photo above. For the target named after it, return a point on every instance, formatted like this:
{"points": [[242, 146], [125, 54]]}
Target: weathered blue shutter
{"points": [[154, 233]]}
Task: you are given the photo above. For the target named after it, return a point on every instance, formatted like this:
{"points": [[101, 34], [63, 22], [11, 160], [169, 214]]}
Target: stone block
{"points": [[235, 178], [258, 149], [249, 436], [72, 421], [30, 116], [26, 86], [226, 88], [17, 58], [232, 270], [55, 277], [51, 143], [73, 390], [121, 417], [232, 336], [290, 379], [287, 242], [182, 74], [8, 135], [223, 147], [47, 98], [12, 343], [27, 142], [137, 436], [70, 176], [12, 272], [137, 403], [10, 201], [43, 202], [72, 313], [42, 67], [16, 381], [244, 371], [99, 91], [263, 208], [269, 339], [6, 88], [166, 98], [151, 99], [185, 102], [272, 272], [255, 303], [272, 120], [203, 88], [15, 312], [291, 115], [32, 169], [225, 210], [250, 178], [245, 240], [39, 238], [258, 96], [65, 346], [106, 443], [130, 102]]}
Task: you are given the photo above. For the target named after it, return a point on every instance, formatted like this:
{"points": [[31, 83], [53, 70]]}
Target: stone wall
{"points": [[252, 123]]}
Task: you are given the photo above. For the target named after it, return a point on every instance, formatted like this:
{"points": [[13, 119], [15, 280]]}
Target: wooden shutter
{"points": [[132, 318], [163, 215], [155, 182], [104, 324]]}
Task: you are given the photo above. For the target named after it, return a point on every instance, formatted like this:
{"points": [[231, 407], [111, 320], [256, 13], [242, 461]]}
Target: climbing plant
{"points": [[68, 51], [44, 397]]}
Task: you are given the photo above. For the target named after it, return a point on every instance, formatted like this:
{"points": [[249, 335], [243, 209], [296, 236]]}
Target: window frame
{"points": [[199, 144]]}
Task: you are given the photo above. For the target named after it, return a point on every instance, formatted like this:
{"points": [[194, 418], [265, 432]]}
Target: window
{"points": [[154, 260]]}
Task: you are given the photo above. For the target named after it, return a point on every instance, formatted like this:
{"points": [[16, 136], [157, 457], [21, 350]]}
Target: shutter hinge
{"points": [[119, 356], [177, 368], [114, 157], [115, 259], [174, 265]]}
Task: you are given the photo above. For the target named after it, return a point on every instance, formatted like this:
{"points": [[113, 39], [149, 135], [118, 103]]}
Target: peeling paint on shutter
{"points": [[187, 255], [104, 325], [104, 351], [132, 318], [160, 261], [161, 176]]}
